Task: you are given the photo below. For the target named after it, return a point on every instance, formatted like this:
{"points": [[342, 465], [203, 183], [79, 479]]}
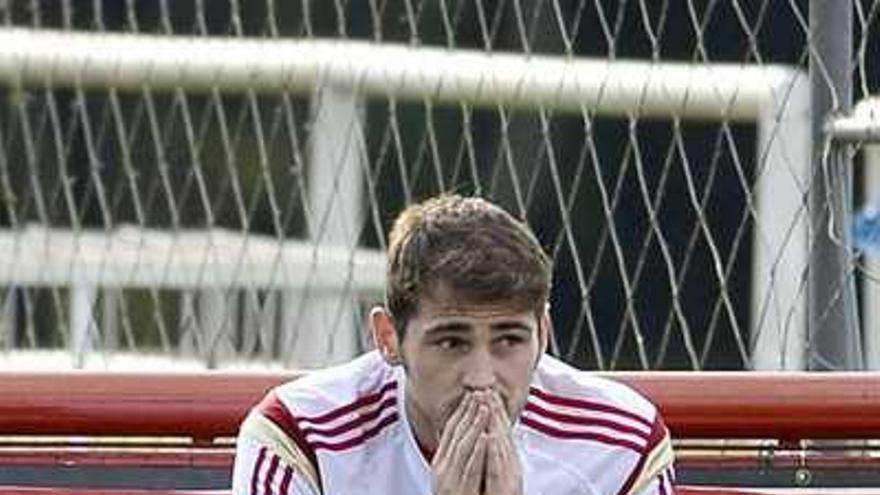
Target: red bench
{"points": [[187, 420]]}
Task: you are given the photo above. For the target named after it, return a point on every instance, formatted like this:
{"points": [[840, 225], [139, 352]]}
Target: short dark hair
{"points": [[468, 245]]}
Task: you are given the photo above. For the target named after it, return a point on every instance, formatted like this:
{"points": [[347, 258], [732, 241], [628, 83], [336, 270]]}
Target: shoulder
{"points": [[325, 408], [614, 435], [339, 389], [561, 385], [325, 412]]}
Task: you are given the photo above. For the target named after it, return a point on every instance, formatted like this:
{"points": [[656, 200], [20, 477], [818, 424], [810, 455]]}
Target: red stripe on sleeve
{"points": [[363, 437], [359, 403], [586, 421], [285, 481], [579, 435], [587, 405], [270, 474], [261, 457], [354, 423]]}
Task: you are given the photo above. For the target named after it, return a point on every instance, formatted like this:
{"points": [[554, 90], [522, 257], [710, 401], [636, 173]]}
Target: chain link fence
{"points": [[211, 182]]}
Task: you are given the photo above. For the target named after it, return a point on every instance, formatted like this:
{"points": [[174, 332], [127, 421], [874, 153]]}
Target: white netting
{"points": [[213, 180]]}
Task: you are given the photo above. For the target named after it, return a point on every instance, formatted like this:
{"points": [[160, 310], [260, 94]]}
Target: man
{"points": [[459, 398]]}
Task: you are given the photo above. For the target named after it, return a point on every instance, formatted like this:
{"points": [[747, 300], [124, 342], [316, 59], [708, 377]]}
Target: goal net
{"points": [[211, 183]]}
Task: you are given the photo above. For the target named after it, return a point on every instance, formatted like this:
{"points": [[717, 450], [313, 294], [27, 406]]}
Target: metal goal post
{"points": [[342, 73]]}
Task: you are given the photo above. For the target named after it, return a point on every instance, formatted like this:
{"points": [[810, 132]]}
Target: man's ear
{"points": [[545, 330], [385, 335]]}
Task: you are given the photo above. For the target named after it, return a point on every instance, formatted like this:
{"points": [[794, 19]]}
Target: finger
{"points": [[456, 418], [502, 433], [459, 438], [499, 424], [495, 469], [475, 464], [458, 413], [465, 422], [470, 435], [503, 471], [503, 426], [461, 451], [484, 397], [499, 406]]}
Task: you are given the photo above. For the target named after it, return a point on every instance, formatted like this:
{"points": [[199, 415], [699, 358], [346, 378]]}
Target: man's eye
{"points": [[510, 340], [450, 344]]}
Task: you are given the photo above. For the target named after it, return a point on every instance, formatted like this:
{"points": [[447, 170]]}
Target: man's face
{"points": [[452, 347]]}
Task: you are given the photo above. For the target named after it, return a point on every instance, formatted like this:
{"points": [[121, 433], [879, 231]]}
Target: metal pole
{"points": [[863, 126], [8, 319], [871, 289], [82, 300], [323, 328], [779, 249], [834, 340]]}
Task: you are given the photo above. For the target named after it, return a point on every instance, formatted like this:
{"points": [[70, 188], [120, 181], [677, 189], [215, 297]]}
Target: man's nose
{"points": [[479, 370]]}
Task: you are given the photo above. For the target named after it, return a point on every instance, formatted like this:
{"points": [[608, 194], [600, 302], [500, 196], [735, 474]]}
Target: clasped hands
{"points": [[476, 454]]}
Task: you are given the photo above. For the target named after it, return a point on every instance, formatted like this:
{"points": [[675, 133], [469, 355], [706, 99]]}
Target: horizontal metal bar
{"points": [[146, 456], [721, 91], [863, 126], [854, 130], [136, 257]]}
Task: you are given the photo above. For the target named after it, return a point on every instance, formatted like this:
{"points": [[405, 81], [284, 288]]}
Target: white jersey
{"points": [[344, 431]]}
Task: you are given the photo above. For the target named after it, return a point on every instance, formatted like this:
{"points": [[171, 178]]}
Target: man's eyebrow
{"points": [[450, 327], [512, 325]]}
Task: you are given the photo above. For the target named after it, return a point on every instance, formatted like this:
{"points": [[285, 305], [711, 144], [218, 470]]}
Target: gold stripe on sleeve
{"points": [[658, 460]]}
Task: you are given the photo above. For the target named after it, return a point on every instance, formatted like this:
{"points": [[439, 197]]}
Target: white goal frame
{"points": [[341, 73], [863, 126]]}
